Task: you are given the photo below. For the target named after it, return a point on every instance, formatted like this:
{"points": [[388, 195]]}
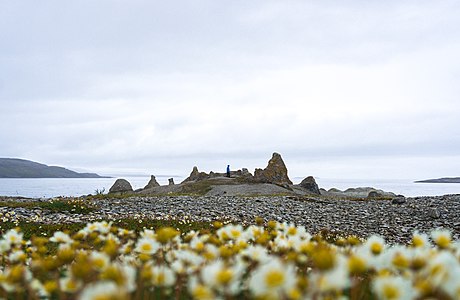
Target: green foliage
{"points": [[73, 206]]}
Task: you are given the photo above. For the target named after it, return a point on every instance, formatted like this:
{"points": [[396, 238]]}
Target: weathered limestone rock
{"points": [[171, 181], [196, 175], [310, 185], [275, 172], [121, 186], [152, 183]]}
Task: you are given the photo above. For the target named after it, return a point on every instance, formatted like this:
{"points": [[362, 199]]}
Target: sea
{"points": [[75, 187]]}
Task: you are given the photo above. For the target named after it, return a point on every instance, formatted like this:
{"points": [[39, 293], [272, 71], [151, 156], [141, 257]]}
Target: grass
{"points": [[31, 229], [73, 206]]}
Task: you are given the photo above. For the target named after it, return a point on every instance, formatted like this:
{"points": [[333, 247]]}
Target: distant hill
{"points": [[441, 180], [21, 168]]}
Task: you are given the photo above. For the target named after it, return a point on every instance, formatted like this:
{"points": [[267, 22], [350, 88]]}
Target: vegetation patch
{"points": [[72, 205], [269, 260]]}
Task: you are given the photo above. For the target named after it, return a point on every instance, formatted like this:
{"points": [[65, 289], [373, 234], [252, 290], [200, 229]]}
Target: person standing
{"points": [[228, 171]]}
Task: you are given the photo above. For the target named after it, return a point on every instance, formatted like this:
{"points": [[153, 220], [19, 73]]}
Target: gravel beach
{"points": [[395, 222]]}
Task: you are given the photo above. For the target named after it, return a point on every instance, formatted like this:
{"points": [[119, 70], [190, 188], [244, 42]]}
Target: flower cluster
{"points": [[275, 261]]}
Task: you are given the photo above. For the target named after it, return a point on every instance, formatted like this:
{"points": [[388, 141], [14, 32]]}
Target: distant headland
{"points": [[441, 180], [21, 168]]}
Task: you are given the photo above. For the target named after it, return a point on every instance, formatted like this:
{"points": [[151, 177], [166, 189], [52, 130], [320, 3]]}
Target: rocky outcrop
{"points": [[195, 175], [121, 186], [171, 181], [310, 185], [152, 183], [275, 172]]}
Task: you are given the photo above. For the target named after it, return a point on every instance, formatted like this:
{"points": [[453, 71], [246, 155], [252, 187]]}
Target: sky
{"points": [[341, 89]]}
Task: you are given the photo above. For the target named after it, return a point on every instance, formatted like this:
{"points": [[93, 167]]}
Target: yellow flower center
{"points": [[201, 292], [443, 241], [146, 247], [274, 278], [376, 248], [224, 276], [390, 292], [292, 231]]}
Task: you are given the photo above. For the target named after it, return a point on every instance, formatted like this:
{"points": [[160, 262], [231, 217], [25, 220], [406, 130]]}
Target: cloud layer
{"points": [[359, 89]]}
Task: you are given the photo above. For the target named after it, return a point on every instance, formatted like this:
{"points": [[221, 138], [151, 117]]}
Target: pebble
{"points": [[395, 223]]}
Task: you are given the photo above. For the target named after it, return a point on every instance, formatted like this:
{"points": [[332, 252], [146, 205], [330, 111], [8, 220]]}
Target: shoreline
{"points": [[394, 222]]}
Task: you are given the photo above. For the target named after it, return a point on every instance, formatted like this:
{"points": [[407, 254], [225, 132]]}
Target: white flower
{"points": [[99, 260], [12, 237], [230, 232], [147, 245], [256, 253], [393, 288], [442, 237], [375, 244], [163, 276], [221, 277], [4, 246], [420, 240], [102, 290], [69, 285], [17, 255], [199, 291], [336, 279], [61, 237], [273, 279]]}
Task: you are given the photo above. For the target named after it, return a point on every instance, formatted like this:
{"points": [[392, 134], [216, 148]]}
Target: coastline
{"points": [[394, 222]]}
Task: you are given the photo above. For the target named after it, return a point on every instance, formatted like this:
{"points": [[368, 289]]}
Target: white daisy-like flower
{"points": [[69, 285], [99, 260], [163, 276], [230, 232], [256, 253], [420, 240], [102, 290], [442, 237], [4, 246], [147, 245], [221, 277], [61, 237], [13, 237], [273, 279], [375, 244], [200, 291], [17, 255], [393, 288]]}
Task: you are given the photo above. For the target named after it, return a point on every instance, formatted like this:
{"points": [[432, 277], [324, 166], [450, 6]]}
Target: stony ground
{"points": [[395, 222]]}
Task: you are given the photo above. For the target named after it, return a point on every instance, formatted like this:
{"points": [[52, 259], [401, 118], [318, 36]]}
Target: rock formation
{"points": [[310, 185], [171, 181], [121, 186], [196, 175], [275, 172], [152, 183]]}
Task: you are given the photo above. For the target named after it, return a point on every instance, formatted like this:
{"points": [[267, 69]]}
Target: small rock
{"points": [[434, 213]]}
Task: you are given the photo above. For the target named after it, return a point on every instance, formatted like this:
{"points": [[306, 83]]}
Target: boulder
{"points": [[152, 183], [195, 175], [374, 194], [171, 181], [121, 186], [275, 172], [399, 200], [310, 185]]}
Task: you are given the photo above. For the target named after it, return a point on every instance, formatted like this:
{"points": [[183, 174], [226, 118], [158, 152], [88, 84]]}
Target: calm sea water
{"points": [[53, 187]]}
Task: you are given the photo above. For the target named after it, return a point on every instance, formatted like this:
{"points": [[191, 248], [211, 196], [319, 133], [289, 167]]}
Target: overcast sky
{"points": [[341, 89]]}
